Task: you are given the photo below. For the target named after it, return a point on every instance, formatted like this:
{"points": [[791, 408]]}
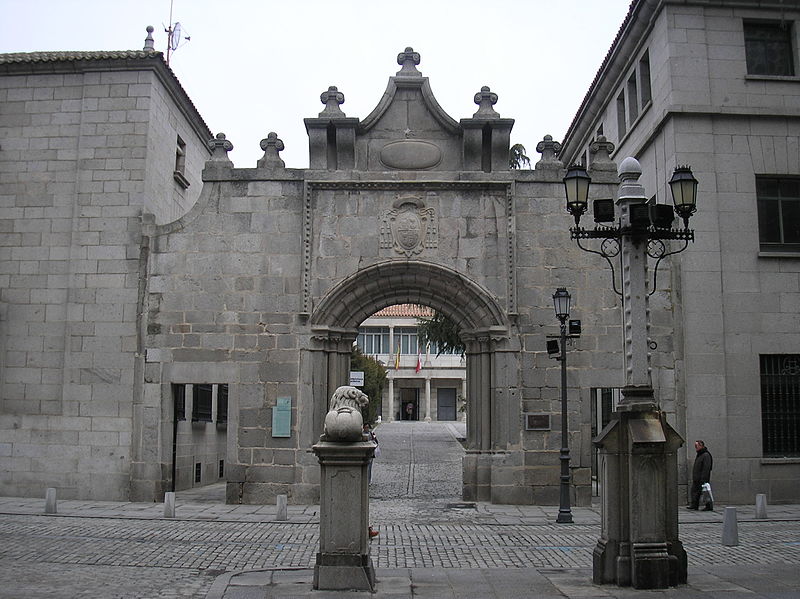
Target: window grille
{"points": [[780, 405]]}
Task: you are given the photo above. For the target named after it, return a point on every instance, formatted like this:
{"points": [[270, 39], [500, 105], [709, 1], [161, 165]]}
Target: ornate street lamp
{"points": [[561, 301], [684, 193], [577, 185], [639, 545], [639, 221]]}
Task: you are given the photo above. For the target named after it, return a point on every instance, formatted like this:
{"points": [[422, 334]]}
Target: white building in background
{"points": [[421, 384]]}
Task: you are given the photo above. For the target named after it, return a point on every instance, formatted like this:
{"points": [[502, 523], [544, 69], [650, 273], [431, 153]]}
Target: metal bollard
{"points": [[761, 506], [50, 501], [283, 513], [730, 528], [169, 504]]}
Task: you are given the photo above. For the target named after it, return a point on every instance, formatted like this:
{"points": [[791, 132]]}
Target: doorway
{"points": [[446, 403], [409, 404]]}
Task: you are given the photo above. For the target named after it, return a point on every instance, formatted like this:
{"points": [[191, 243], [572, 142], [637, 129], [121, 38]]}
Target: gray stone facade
{"points": [[263, 284], [87, 142], [118, 281], [736, 300]]}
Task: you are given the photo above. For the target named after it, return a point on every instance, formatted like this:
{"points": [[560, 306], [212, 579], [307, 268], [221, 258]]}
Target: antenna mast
{"points": [[169, 32], [174, 34]]}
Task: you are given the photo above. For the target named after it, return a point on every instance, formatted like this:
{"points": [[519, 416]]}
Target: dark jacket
{"points": [[701, 473]]}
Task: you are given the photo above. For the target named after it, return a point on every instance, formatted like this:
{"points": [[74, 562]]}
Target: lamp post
{"points": [[561, 301], [639, 545]]}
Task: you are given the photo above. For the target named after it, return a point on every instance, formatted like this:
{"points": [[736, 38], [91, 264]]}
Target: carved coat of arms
{"points": [[409, 227]]}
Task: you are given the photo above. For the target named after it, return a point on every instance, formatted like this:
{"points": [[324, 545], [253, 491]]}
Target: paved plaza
{"points": [[431, 544]]}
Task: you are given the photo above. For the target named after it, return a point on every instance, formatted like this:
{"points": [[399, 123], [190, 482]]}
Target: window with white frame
{"points": [[373, 340], [406, 337]]}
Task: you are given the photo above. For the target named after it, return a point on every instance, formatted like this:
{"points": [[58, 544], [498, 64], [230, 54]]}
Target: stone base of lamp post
{"points": [[343, 561], [639, 545]]}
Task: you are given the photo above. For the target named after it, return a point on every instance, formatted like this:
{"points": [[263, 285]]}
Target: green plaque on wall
{"points": [[282, 418]]}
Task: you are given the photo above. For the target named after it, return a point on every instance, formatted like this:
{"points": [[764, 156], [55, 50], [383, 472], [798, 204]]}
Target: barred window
{"points": [[778, 213], [201, 400], [780, 405], [768, 48]]}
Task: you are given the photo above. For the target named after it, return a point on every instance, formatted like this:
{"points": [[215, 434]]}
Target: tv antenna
{"points": [[175, 34]]}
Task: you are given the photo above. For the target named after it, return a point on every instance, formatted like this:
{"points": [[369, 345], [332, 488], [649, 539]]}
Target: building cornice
{"points": [[634, 29]]}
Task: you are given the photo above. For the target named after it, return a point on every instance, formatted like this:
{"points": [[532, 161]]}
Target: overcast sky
{"points": [[255, 66]]}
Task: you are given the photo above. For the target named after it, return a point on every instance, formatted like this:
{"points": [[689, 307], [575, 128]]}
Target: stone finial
{"points": [[629, 172], [219, 148], [549, 150], [600, 149], [332, 99], [486, 99], [149, 42], [271, 146], [630, 169], [409, 61]]}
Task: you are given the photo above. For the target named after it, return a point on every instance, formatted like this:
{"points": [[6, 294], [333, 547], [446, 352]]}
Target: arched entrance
{"points": [[493, 406]]}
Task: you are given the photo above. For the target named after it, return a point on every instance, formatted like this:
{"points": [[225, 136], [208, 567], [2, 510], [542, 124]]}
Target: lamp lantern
{"points": [[684, 192], [561, 300], [576, 184]]}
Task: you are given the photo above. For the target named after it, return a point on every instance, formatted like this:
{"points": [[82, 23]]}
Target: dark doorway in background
{"points": [[446, 403], [409, 404]]}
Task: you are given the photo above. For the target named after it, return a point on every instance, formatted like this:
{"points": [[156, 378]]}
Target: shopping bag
{"points": [[706, 496], [377, 451]]}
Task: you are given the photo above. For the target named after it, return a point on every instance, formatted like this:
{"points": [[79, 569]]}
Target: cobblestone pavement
{"points": [[126, 550]]}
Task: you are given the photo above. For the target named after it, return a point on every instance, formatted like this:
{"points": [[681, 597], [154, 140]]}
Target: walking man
{"points": [[701, 474]]}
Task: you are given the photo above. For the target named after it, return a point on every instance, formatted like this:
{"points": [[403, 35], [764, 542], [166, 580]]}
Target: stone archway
{"points": [[493, 406]]}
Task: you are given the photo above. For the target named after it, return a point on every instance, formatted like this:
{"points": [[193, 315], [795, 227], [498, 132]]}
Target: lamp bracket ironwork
{"points": [[610, 246]]}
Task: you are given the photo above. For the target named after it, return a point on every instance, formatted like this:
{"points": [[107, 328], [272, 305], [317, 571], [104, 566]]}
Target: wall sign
{"points": [[282, 417]]}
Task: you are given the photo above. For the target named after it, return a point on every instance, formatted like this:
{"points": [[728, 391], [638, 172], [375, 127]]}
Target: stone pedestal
{"points": [[639, 545], [343, 560]]}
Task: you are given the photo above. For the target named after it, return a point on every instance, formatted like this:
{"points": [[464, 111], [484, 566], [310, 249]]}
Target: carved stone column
{"points": [[391, 399], [427, 399]]}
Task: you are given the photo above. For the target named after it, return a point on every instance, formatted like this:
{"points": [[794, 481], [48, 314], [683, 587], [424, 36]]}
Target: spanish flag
{"points": [[397, 358]]}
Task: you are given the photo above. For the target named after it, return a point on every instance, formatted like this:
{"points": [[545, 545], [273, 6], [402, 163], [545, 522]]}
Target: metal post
{"points": [[564, 511]]}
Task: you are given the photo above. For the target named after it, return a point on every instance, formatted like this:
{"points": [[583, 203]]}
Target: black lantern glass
{"points": [[576, 184], [561, 300], [684, 192]]}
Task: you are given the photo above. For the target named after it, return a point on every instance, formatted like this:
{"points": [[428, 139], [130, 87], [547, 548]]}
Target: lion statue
{"points": [[344, 420]]}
